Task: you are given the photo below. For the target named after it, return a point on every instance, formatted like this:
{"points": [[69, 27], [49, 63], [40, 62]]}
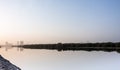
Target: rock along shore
{"points": [[7, 65]]}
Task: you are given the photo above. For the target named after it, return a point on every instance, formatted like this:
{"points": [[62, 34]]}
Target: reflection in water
{"points": [[35, 59], [108, 46], [10, 47], [20, 49]]}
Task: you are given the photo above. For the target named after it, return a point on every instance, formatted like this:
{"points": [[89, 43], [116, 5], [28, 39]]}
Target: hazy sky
{"points": [[52, 21]]}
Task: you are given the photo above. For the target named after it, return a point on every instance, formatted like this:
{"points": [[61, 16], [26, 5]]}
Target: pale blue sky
{"points": [[52, 21]]}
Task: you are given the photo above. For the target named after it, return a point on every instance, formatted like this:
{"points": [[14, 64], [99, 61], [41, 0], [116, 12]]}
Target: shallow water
{"points": [[36, 59]]}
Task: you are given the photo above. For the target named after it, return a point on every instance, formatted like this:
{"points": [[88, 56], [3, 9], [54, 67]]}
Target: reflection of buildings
{"points": [[8, 46], [20, 49], [20, 45]]}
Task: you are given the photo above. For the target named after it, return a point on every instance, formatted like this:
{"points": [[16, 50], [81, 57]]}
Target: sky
{"points": [[53, 21]]}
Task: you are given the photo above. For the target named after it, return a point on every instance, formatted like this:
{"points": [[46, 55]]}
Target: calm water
{"points": [[32, 59]]}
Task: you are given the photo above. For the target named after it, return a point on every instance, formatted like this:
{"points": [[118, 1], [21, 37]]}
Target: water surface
{"points": [[36, 59]]}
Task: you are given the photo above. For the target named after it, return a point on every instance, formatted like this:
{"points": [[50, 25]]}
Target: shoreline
{"points": [[109, 46]]}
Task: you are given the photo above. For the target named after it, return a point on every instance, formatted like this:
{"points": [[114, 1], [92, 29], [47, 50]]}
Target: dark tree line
{"points": [[108, 46]]}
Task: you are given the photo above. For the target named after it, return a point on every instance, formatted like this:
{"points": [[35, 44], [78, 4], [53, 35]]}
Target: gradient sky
{"points": [[52, 21]]}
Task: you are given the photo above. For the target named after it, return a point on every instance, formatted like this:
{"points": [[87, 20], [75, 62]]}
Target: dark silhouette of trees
{"points": [[108, 46]]}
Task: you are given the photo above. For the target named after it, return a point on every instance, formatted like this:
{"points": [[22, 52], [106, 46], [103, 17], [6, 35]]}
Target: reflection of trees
{"points": [[109, 46]]}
